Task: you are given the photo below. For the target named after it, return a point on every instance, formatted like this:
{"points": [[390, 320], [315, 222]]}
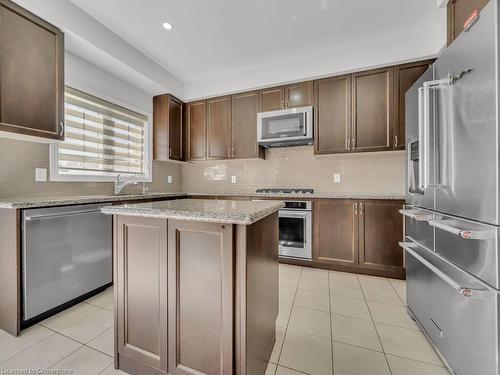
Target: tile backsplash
{"points": [[19, 159], [298, 167]]}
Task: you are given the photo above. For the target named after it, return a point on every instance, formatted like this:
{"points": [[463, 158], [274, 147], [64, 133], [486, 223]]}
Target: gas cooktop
{"points": [[286, 191]]}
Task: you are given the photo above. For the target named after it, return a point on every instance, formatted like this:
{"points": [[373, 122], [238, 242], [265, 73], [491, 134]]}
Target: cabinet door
{"points": [[200, 298], [244, 125], [332, 115], [336, 231], [272, 99], [140, 268], [31, 74], [372, 110], [404, 77], [299, 94], [196, 130], [160, 128], [458, 12], [219, 128], [380, 230], [175, 108]]}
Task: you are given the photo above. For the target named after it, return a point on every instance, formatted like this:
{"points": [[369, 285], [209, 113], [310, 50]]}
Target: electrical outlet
{"points": [[40, 174], [169, 179], [336, 178], [233, 179]]}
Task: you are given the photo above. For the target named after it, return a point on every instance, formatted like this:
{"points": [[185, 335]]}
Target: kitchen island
{"points": [[196, 286]]}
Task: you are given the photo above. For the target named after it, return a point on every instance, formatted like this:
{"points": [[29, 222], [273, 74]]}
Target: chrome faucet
{"points": [[119, 186]]}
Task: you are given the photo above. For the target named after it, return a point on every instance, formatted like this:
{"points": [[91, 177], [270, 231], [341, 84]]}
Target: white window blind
{"points": [[102, 139]]}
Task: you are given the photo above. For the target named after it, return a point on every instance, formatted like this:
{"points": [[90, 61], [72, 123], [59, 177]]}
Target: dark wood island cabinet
{"points": [[193, 295]]}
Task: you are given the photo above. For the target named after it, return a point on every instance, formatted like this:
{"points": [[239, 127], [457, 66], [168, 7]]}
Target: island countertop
{"points": [[214, 211]]}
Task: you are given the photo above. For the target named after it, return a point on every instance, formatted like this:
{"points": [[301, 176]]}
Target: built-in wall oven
{"points": [[295, 230]]}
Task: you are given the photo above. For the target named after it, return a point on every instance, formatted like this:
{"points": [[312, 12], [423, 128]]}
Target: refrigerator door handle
{"points": [[467, 234], [463, 291], [421, 142], [416, 215]]}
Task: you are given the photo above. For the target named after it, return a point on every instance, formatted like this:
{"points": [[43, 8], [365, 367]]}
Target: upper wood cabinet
{"points": [[332, 123], [372, 110], [404, 77], [244, 108], [272, 99], [167, 128], [196, 130], [289, 96], [219, 128], [458, 12], [335, 231], [380, 230], [31, 75]]}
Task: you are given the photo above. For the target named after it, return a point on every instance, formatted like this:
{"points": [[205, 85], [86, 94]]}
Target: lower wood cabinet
{"points": [[140, 269], [359, 236], [380, 230], [200, 303], [335, 231]]}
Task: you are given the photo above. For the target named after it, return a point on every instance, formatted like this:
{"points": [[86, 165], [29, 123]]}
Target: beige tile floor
{"points": [[330, 323]]}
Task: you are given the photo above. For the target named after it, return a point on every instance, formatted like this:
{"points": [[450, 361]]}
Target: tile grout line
{"points": [[288, 322], [331, 318], [373, 321]]}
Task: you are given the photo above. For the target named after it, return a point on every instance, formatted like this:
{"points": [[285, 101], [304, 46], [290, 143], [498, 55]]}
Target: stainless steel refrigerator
{"points": [[452, 217]]}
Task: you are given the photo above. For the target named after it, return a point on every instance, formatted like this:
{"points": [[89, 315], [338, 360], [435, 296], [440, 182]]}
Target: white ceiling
{"points": [[224, 39]]}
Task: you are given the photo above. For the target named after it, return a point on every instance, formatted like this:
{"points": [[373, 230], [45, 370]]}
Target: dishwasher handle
{"points": [[63, 214]]}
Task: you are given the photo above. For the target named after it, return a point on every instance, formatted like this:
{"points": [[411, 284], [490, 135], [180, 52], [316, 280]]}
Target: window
{"points": [[102, 140]]}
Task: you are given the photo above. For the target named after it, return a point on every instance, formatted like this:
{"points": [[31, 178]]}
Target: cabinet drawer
{"points": [[454, 322], [470, 245], [417, 226]]}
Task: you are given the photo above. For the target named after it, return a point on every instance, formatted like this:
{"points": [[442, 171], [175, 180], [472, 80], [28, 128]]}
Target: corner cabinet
{"points": [[168, 128], [31, 76], [359, 236]]}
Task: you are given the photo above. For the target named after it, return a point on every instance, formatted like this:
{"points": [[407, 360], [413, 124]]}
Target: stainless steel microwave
{"points": [[287, 127]]}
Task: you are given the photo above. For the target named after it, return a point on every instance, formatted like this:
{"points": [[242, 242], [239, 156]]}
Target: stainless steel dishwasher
{"points": [[66, 253]]}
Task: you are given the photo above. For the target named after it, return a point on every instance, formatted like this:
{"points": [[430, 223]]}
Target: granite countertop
{"points": [[34, 202], [336, 195], [214, 211]]}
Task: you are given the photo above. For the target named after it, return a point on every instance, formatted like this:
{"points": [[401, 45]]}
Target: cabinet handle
{"points": [[395, 141], [61, 128], [282, 104], [355, 208], [286, 104], [353, 143], [348, 144], [229, 152], [169, 152], [361, 208], [233, 152]]}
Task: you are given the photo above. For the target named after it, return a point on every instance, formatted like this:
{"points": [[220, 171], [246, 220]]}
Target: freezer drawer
{"points": [[417, 225], [458, 313], [66, 253], [470, 245]]}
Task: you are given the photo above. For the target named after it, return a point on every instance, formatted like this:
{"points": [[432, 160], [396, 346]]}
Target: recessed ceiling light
{"points": [[167, 26]]}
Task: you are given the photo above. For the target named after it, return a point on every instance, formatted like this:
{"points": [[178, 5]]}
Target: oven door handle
{"points": [[298, 215], [463, 291]]}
